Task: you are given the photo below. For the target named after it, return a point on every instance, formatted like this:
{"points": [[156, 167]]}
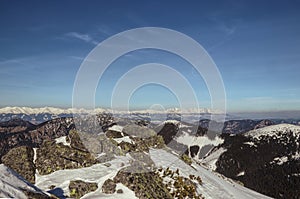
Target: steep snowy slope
{"points": [[14, 186]]}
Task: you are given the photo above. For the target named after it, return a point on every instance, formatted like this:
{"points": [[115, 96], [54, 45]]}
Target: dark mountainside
{"points": [[269, 164]]}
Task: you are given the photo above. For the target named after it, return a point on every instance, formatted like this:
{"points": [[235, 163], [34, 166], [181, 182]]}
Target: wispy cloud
{"points": [[83, 37], [82, 58], [105, 30], [228, 30]]}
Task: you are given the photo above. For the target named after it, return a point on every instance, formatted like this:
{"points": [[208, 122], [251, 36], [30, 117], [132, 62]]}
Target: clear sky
{"points": [[255, 44]]}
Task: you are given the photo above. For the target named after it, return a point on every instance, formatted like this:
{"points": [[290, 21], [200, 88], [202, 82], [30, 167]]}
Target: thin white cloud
{"points": [[84, 37], [228, 30], [82, 58], [105, 30]]}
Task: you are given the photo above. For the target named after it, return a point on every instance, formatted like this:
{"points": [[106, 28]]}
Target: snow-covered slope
{"points": [[13, 186], [211, 159], [274, 130], [97, 173], [214, 185]]}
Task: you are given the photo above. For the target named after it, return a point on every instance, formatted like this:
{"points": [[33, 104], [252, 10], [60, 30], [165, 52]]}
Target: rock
{"points": [[31, 135], [53, 157], [120, 191], [194, 150], [186, 159], [113, 134], [105, 120], [168, 132], [109, 186], [93, 143], [79, 188], [20, 159], [142, 144], [138, 131], [145, 185]]}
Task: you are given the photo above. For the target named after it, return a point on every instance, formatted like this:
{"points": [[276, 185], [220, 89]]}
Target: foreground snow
{"points": [[97, 173], [214, 185], [12, 185]]}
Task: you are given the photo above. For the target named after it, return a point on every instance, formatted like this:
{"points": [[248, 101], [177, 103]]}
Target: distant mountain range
{"points": [[57, 111]]}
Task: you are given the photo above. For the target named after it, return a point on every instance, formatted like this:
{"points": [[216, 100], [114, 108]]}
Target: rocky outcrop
{"points": [[180, 186], [35, 137], [168, 132], [53, 157], [113, 134], [135, 130], [109, 186], [79, 188], [15, 125], [139, 144], [145, 185], [20, 159], [159, 183]]}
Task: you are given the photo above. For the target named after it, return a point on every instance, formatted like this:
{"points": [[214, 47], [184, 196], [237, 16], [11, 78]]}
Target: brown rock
{"points": [[109, 186]]}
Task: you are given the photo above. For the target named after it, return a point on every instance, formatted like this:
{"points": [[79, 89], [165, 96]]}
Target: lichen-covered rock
{"points": [[180, 186], [142, 144], [105, 120], [145, 185], [20, 159], [109, 186], [79, 188], [75, 141], [113, 134], [53, 157], [186, 159], [33, 136]]}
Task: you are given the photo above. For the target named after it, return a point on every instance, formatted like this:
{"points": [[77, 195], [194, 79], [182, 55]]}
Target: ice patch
{"points": [[62, 140], [117, 128], [124, 139]]}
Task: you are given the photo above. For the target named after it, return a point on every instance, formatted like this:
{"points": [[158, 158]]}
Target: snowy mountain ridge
{"points": [[273, 130], [53, 110]]}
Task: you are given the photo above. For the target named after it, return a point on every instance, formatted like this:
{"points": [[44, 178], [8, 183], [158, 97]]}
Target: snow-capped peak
{"points": [[53, 110]]}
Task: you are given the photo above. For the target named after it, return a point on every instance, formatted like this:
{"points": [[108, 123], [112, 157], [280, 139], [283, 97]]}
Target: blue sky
{"points": [[255, 44]]}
